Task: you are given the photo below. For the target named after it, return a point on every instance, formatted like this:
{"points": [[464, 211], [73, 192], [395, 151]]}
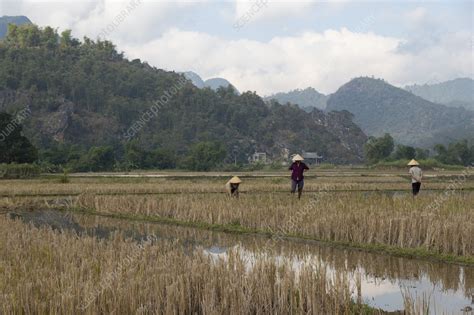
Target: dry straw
{"points": [[47, 272]]}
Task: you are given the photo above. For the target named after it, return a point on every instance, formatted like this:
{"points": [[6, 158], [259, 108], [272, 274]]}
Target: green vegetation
{"points": [[5, 20], [458, 153], [307, 99], [9, 171], [14, 147], [379, 108], [205, 155], [382, 152], [90, 111], [426, 164], [64, 179], [377, 149]]}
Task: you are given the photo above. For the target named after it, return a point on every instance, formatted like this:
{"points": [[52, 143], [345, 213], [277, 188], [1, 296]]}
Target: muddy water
{"points": [[384, 279]]}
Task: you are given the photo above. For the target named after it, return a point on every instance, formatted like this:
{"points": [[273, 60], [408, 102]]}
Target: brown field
{"points": [[46, 272], [51, 272]]}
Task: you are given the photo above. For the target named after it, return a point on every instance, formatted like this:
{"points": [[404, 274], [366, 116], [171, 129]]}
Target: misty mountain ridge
{"points": [[453, 93], [212, 83], [307, 99], [379, 108]]}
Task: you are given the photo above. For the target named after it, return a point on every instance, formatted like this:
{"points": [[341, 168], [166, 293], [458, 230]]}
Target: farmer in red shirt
{"points": [[297, 178]]}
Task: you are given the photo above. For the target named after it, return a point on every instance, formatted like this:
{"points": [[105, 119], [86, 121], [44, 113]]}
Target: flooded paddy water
{"points": [[383, 279]]}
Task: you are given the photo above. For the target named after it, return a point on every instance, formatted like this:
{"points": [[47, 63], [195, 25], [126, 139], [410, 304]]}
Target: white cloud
{"points": [[144, 20], [416, 15], [269, 9], [323, 60]]}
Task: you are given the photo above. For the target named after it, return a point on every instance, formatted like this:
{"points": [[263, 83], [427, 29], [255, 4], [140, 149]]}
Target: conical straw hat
{"points": [[235, 180], [413, 163], [297, 157]]}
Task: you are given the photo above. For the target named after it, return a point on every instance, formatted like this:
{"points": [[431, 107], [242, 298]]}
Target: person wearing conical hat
{"points": [[416, 176], [232, 187], [297, 169]]}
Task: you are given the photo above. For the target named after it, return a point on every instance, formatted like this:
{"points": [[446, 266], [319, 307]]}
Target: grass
{"points": [[424, 226], [341, 208], [235, 227], [438, 224], [427, 164], [329, 181], [50, 272]]}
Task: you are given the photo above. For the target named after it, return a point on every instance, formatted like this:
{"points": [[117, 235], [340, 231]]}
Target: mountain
{"points": [[307, 99], [379, 107], [5, 20], [86, 94], [194, 78], [213, 83], [454, 93]]}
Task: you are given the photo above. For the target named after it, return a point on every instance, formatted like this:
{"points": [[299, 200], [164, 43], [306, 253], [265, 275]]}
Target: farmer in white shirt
{"points": [[416, 176]]}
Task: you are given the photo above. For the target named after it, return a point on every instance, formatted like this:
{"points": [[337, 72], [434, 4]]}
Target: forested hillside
{"points": [[381, 108], [90, 105]]}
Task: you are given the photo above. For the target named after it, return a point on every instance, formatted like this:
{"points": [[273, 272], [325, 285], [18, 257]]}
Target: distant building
{"points": [[284, 155], [258, 157], [312, 158]]}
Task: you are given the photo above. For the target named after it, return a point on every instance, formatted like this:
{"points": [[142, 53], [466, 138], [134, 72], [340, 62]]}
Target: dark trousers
{"points": [[234, 190], [297, 183], [415, 188]]}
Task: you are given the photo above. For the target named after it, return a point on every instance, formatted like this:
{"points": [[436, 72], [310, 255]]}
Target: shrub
{"points": [[64, 179], [8, 171]]}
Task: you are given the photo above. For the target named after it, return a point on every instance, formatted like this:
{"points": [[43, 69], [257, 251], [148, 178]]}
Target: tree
{"points": [[99, 159], [422, 154], [458, 153], [404, 152], [161, 159], [205, 155], [98, 94], [377, 149], [14, 147], [134, 155]]}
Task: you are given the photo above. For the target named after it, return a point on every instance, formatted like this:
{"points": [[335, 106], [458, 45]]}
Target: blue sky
{"points": [[270, 46]]}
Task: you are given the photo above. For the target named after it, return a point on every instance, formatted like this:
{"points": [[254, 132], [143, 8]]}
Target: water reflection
{"points": [[383, 278]]}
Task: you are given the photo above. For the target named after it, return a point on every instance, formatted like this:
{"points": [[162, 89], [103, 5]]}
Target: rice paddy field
{"points": [[175, 243]]}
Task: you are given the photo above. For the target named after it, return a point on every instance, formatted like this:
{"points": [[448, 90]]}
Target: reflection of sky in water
{"points": [[387, 294], [383, 293]]}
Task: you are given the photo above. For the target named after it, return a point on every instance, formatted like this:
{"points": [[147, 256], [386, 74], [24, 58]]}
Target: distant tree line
{"points": [[202, 156], [380, 149]]}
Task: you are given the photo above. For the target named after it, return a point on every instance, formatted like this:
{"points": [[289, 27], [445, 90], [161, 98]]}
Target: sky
{"points": [[271, 46]]}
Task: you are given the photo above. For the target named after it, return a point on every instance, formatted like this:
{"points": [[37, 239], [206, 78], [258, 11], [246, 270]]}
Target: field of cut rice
{"points": [[54, 271]]}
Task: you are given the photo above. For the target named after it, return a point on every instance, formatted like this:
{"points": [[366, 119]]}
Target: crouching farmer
{"points": [[232, 187], [297, 178]]}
